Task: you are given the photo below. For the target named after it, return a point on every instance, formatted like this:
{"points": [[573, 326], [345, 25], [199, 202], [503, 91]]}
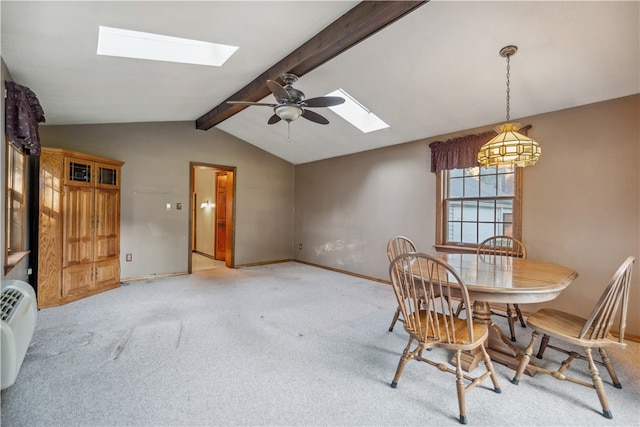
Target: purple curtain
{"points": [[461, 152], [22, 115]]}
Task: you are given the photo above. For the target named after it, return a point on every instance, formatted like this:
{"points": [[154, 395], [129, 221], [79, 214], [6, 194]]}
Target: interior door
{"points": [[221, 214]]}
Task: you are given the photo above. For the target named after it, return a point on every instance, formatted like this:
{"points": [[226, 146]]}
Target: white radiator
{"points": [[19, 310]]}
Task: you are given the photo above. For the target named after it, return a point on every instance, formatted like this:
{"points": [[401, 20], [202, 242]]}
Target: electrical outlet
{"points": [[300, 246], [128, 257], [178, 206]]}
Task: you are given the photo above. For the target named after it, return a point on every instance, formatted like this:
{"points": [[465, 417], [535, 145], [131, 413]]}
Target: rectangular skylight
{"points": [[356, 113], [156, 47]]}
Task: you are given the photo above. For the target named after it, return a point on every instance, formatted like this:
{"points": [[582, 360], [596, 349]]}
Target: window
{"points": [[476, 203], [14, 205]]}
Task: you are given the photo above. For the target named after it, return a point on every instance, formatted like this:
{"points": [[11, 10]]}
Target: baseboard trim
{"points": [[349, 273], [337, 270], [255, 264], [152, 276]]}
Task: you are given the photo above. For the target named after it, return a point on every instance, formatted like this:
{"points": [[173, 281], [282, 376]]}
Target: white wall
{"points": [[580, 203], [347, 208], [156, 172]]}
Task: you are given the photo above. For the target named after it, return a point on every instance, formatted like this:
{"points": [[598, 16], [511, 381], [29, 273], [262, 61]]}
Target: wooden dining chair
{"points": [[421, 284], [398, 245], [590, 333], [493, 249]]}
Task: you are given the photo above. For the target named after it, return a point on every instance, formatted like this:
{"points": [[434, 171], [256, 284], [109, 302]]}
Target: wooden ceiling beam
{"points": [[362, 21]]}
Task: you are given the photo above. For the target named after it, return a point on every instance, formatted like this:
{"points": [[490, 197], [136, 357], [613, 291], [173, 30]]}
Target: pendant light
{"points": [[509, 147]]}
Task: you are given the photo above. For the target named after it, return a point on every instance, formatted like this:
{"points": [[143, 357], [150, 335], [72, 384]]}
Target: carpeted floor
{"points": [[283, 344]]}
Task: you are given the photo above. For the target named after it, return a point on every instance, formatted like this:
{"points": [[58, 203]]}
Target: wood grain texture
{"points": [[509, 280], [49, 228], [79, 227], [362, 21]]}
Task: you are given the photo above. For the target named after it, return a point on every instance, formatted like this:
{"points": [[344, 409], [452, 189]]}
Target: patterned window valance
{"points": [[22, 115], [461, 152]]}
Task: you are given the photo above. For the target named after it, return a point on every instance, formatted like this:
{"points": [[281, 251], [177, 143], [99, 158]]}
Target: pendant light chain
{"points": [[509, 147], [508, 89]]}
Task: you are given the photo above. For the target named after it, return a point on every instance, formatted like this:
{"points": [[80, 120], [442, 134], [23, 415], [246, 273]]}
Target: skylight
{"points": [[356, 113], [156, 47]]}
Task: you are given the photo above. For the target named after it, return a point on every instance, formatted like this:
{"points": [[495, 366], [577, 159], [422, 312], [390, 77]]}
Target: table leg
{"points": [[498, 345]]}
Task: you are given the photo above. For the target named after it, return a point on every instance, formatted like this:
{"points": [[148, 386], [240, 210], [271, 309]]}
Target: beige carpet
{"points": [[279, 345]]}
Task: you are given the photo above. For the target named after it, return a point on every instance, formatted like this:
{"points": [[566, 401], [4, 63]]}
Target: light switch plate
{"points": [[168, 206]]}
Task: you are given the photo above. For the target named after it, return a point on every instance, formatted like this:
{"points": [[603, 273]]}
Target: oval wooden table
{"points": [[500, 280]]}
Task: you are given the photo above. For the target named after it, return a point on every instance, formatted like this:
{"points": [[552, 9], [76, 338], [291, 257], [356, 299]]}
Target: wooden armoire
{"points": [[78, 226]]}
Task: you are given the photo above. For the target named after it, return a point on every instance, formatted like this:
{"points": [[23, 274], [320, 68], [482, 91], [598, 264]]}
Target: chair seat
{"points": [[567, 326], [460, 338]]}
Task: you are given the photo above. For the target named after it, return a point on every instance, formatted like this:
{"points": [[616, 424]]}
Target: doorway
{"points": [[211, 221]]}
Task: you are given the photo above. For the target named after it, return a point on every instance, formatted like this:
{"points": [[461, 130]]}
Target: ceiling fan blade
{"points": [[282, 96], [273, 119], [324, 101], [314, 117], [251, 103]]}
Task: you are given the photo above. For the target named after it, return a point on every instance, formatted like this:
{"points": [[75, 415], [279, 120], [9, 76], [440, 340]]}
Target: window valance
{"points": [[22, 115], [461, 152]]}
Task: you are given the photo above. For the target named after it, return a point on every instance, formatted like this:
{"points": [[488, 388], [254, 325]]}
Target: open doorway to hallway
{"points": [[201, 261], [211, 222]]}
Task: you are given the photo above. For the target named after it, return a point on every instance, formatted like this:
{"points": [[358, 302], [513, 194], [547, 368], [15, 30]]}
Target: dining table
{"points": [[496, 279]]}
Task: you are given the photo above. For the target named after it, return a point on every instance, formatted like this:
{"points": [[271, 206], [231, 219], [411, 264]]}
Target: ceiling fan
{"points": [[292, 103]]}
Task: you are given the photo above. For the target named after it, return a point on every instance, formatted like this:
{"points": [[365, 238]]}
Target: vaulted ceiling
{"points": [[433, 71]]}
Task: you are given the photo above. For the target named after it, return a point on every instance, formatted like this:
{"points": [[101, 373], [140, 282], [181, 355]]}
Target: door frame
{"points": [[229, 258]]}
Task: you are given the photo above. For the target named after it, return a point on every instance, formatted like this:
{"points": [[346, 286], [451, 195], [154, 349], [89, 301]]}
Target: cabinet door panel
{"points": [[78, 233], [107, 273], [107, 224], [79, 172], [77, 280], [108, 176]]}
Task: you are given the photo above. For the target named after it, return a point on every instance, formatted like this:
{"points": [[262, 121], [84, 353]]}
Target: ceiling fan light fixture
{"points": [[509, 147], [291, 102], [288, 112]]}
